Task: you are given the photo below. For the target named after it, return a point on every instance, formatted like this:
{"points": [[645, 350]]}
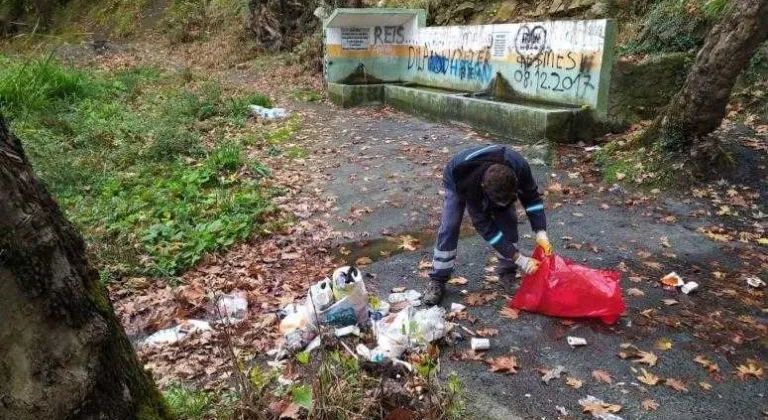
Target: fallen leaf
{"points": [[363, 261], [676, 384], [344, 251], [664, 242], [291, 412], [549, 374], [646, 357], [399, 289], [602, 376], [425, 264], [458, 281], [663, 344], [709, 365], [649, 405], [475, 299], [605, 206], [750, 369], [620, 176], [504, 364], [648, 378], [705, 386], [653, 264], [575, 383], [635, 292], [510, 313], [670, 302], [596, 407], [470, 354], [408, 243], [486, 332], [672, 280]]}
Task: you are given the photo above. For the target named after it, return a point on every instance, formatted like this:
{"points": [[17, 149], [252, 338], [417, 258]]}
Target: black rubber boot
{"points": [[434, 291]]}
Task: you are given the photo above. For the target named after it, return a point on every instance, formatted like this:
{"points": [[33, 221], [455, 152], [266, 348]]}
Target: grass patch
{"points": [[625, 161], [124, 155], [190, 404]]}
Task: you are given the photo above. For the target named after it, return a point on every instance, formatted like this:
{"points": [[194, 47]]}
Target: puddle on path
{"points": [[388, 246]]}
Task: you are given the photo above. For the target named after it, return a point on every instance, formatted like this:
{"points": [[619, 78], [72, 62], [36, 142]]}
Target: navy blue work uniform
{"points": [[462, 179]]}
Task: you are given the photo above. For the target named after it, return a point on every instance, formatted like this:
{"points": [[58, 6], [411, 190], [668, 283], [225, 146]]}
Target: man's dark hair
{"points": [[500, 184]]}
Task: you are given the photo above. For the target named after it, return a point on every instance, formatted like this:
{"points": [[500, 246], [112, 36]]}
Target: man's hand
{"points": [[543, 241], [528, 265]]}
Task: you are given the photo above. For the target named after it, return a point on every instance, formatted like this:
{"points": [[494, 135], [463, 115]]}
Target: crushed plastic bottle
{"points": [[268, 113]]}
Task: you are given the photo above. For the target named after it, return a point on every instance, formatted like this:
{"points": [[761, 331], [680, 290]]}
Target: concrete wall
{"points": [[562, 62]]}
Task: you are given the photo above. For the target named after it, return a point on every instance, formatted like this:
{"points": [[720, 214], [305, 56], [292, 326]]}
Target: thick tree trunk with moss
{"points": [[63, 353], [699, 107]]}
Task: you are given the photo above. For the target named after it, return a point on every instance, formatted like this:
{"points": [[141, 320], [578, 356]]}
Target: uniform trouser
{"points": [[444, 259]]}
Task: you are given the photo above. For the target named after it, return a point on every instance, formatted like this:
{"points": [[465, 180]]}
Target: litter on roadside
{"points": [[480, 343], [457, 307], [268, 113], [411, 296], [673, 280], [755, 282], [232, 307], [689, 287], [343, 302], [177, 333], [576, 341]]}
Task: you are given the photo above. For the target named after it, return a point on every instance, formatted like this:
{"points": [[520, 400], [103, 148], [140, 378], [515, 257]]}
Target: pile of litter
{"points": [[343, 303]]}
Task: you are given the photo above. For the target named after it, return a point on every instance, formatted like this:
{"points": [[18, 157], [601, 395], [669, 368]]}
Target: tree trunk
{"points": [[699, 107], [63, 353]]}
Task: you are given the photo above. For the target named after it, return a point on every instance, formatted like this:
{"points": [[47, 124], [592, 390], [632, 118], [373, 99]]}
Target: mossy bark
{"points": [[699, 107], [63, 353]]}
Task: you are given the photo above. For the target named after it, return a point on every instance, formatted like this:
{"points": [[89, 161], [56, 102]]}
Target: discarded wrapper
{"points": [[689, 287], [673, 279], [755, 282], [576, 341], [409, 295], [457, 307], [177, 333], [350, 329], [480, 343]]}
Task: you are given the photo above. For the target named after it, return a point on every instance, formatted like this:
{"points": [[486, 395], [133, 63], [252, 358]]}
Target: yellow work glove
{"points": [[543, 241], [527, 264]]}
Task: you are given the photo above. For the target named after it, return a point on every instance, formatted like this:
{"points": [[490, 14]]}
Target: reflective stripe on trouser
{"points": [[444, 258]]}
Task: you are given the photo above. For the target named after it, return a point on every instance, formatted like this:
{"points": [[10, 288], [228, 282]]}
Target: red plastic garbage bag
{"points": [[565, 289]]}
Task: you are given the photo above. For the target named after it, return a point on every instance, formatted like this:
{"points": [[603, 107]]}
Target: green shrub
{"points": [[124, 156], [190, 404], [674, 26]]}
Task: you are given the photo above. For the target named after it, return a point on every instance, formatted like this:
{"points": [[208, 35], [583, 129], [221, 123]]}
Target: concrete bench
{"points": [[537, 80]]}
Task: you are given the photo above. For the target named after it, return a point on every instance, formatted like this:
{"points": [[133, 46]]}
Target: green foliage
{"points": [[302, 357], [306, 95], [302, 396], [675, 26], [190, 20], [123, 154], [189, 404]]}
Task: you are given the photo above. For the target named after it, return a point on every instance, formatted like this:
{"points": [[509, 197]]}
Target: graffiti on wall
{"points": [[388, 35], [470, 65]]}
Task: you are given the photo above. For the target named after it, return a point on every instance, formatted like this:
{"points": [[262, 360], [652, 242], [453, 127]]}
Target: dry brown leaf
{"points": [[504, 364], [486, 332], [646, 357], [293, 411], [408, 243], [510, 313], [643, 254], [649, 405], [653, 264], [575, 383], [470, 354], [648, 378], [663, 344], [363, 261], [709, 365], [635, 292], [664, 242], [752, 368], [676, 384], [425, 264], [458, 281], [398, 289], [670, 302], [602, 376], [599, 407], [344, 251], [705, 385], [475, 299]]}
